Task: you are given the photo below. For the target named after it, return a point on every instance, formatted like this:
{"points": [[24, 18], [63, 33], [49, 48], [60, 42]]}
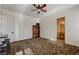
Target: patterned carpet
{"points": [[41, 46]]}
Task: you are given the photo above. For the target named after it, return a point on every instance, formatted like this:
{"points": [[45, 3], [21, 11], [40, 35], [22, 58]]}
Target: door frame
{"points": [[64, 27]]}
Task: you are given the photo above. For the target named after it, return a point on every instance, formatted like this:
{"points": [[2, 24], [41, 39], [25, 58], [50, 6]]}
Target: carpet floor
{"points": [[41, 46]]}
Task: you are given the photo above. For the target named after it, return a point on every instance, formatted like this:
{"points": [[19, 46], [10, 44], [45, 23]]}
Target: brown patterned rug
{"points": [[41, 46]]}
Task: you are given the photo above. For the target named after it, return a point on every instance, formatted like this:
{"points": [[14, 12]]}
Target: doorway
{"points": [[61, 29]]}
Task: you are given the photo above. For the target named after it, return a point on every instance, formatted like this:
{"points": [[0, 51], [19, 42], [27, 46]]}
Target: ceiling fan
{"points": [[39, 8]]}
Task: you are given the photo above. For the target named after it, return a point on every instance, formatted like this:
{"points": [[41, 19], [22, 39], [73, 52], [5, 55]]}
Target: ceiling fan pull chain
{"points": [[38, 12]]}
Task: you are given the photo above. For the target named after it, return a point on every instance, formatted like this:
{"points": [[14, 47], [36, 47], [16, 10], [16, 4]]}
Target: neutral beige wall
{"points": [[49, 28], [18, 23], [8, 23]]}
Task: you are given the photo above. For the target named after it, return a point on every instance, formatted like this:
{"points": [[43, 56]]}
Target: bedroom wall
{"points": [[18, 23], [49, 28], [8, 23], [24, 26]]}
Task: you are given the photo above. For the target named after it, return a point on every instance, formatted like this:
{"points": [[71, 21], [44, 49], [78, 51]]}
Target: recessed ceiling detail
{"points": [[27, 9]]}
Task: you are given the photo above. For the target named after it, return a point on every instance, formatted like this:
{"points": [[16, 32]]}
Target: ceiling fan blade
{"points": [[35, 6], [34, 9], [44, 5], [43, 10]]}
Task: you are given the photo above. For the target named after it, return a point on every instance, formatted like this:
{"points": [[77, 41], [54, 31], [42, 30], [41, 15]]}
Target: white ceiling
{"points": [[26, 9]]}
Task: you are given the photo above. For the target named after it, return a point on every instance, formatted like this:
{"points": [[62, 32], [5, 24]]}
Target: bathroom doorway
{"points": [[61, 29]]}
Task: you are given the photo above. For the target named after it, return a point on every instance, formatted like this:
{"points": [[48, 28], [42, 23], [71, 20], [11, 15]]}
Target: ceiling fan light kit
{"points": [[39, 8]]}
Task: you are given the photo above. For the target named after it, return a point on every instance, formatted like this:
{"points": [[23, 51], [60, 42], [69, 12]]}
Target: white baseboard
{"points": [[19, 39], [72, 44]]}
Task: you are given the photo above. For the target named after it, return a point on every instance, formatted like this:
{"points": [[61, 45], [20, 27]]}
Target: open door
{"points": [[61, 29]]}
